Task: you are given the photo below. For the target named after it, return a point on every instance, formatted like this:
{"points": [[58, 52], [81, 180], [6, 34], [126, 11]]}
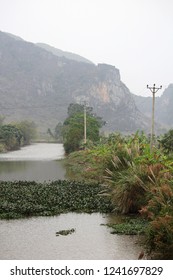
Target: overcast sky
{"points": [[136, 36]]}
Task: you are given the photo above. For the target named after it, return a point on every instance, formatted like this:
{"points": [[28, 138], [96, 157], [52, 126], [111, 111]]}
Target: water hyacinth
{"points": [[23, 198]]}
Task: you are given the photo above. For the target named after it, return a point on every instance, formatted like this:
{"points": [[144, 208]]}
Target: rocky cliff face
{"points": [[38, 85], [164, 107], [113, 101]]}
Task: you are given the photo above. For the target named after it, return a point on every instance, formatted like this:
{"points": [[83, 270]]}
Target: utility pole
{"points": [[85, 137], [153, 89]]}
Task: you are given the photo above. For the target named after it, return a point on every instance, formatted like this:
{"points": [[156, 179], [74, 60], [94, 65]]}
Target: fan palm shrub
{"points": [[127, 188], [126, 178], [129, 177]]}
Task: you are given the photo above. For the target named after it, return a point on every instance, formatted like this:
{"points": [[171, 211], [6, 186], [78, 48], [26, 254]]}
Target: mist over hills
{"points": [[61, 53], [38, 82], [163, 107]]}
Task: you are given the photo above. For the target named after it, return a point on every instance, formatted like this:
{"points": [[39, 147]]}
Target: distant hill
{"points": [[61, 53], [37, 85], [163, 107], [14, 36]]}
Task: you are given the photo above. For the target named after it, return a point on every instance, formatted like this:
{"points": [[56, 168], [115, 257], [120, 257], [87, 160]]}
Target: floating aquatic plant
{"points": [[25, 199], [65, 232]]}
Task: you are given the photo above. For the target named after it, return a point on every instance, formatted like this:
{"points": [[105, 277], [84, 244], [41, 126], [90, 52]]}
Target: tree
{"points": [[167, 141], [73, 109], [72, 139], [11, 136], [73, 127], [57, 134], [28, 129]]}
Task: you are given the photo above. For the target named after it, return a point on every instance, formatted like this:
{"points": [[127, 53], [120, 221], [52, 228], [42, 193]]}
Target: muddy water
{"points": [[38, 162], [35, 238]]}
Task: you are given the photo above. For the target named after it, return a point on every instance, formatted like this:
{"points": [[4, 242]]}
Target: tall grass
{"points": [[136, 180]]}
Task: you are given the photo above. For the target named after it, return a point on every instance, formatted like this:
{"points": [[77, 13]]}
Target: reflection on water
{"points": [[35, 162], [35, 238], [39, 171], [41, 151]]}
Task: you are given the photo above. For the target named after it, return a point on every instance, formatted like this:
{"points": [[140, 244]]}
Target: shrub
{"points": [[159, 211]]}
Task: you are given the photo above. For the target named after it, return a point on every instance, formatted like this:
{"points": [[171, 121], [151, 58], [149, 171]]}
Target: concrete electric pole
{"points": [[153, 89], [85, 137]]}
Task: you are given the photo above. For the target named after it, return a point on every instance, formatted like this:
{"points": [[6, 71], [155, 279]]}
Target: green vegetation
{"points": [[11, 137], [15, 135], [136, 181], [29, 131], [130, 226], [56, 136], [121, 174], [73, 127], [24, 199], [167, 142], [2, 148]]}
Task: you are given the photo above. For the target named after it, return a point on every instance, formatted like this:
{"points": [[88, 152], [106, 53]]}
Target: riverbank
{"points": [[137, 180]]}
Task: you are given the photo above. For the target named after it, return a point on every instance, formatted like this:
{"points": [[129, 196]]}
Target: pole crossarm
{"points": [[154, 89]]}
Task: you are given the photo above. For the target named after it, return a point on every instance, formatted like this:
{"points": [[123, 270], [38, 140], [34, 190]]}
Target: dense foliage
{"points": [[56, 135], [21, 199], [73, 127], [13, 136], [29, 131], [10, 136], [137, 180], [167, 141]]}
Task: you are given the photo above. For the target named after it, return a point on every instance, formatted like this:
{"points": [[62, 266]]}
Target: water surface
{"points": [[35, 238], [38, 162], [38, 151]]}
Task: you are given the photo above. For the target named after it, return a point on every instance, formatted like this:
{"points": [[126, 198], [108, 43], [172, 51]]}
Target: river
{"points": [[35, 238], [37, 162]]}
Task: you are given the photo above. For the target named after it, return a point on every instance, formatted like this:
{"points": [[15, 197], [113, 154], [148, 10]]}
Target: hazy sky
{"points": [[136, 36]]}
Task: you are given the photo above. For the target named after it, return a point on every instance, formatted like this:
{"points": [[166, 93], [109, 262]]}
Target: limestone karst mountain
{"points": [[60, 53], [37, 85]]}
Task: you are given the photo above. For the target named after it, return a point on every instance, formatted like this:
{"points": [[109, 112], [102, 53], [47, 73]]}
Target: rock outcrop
{"points": [[38, 85]]}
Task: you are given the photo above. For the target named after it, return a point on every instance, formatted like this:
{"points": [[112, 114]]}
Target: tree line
{"points": [[15, 135], [71, 132]]}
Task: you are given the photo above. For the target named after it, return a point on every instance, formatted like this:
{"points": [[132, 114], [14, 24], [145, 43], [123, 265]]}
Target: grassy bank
{"points": [[137, 180]]}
